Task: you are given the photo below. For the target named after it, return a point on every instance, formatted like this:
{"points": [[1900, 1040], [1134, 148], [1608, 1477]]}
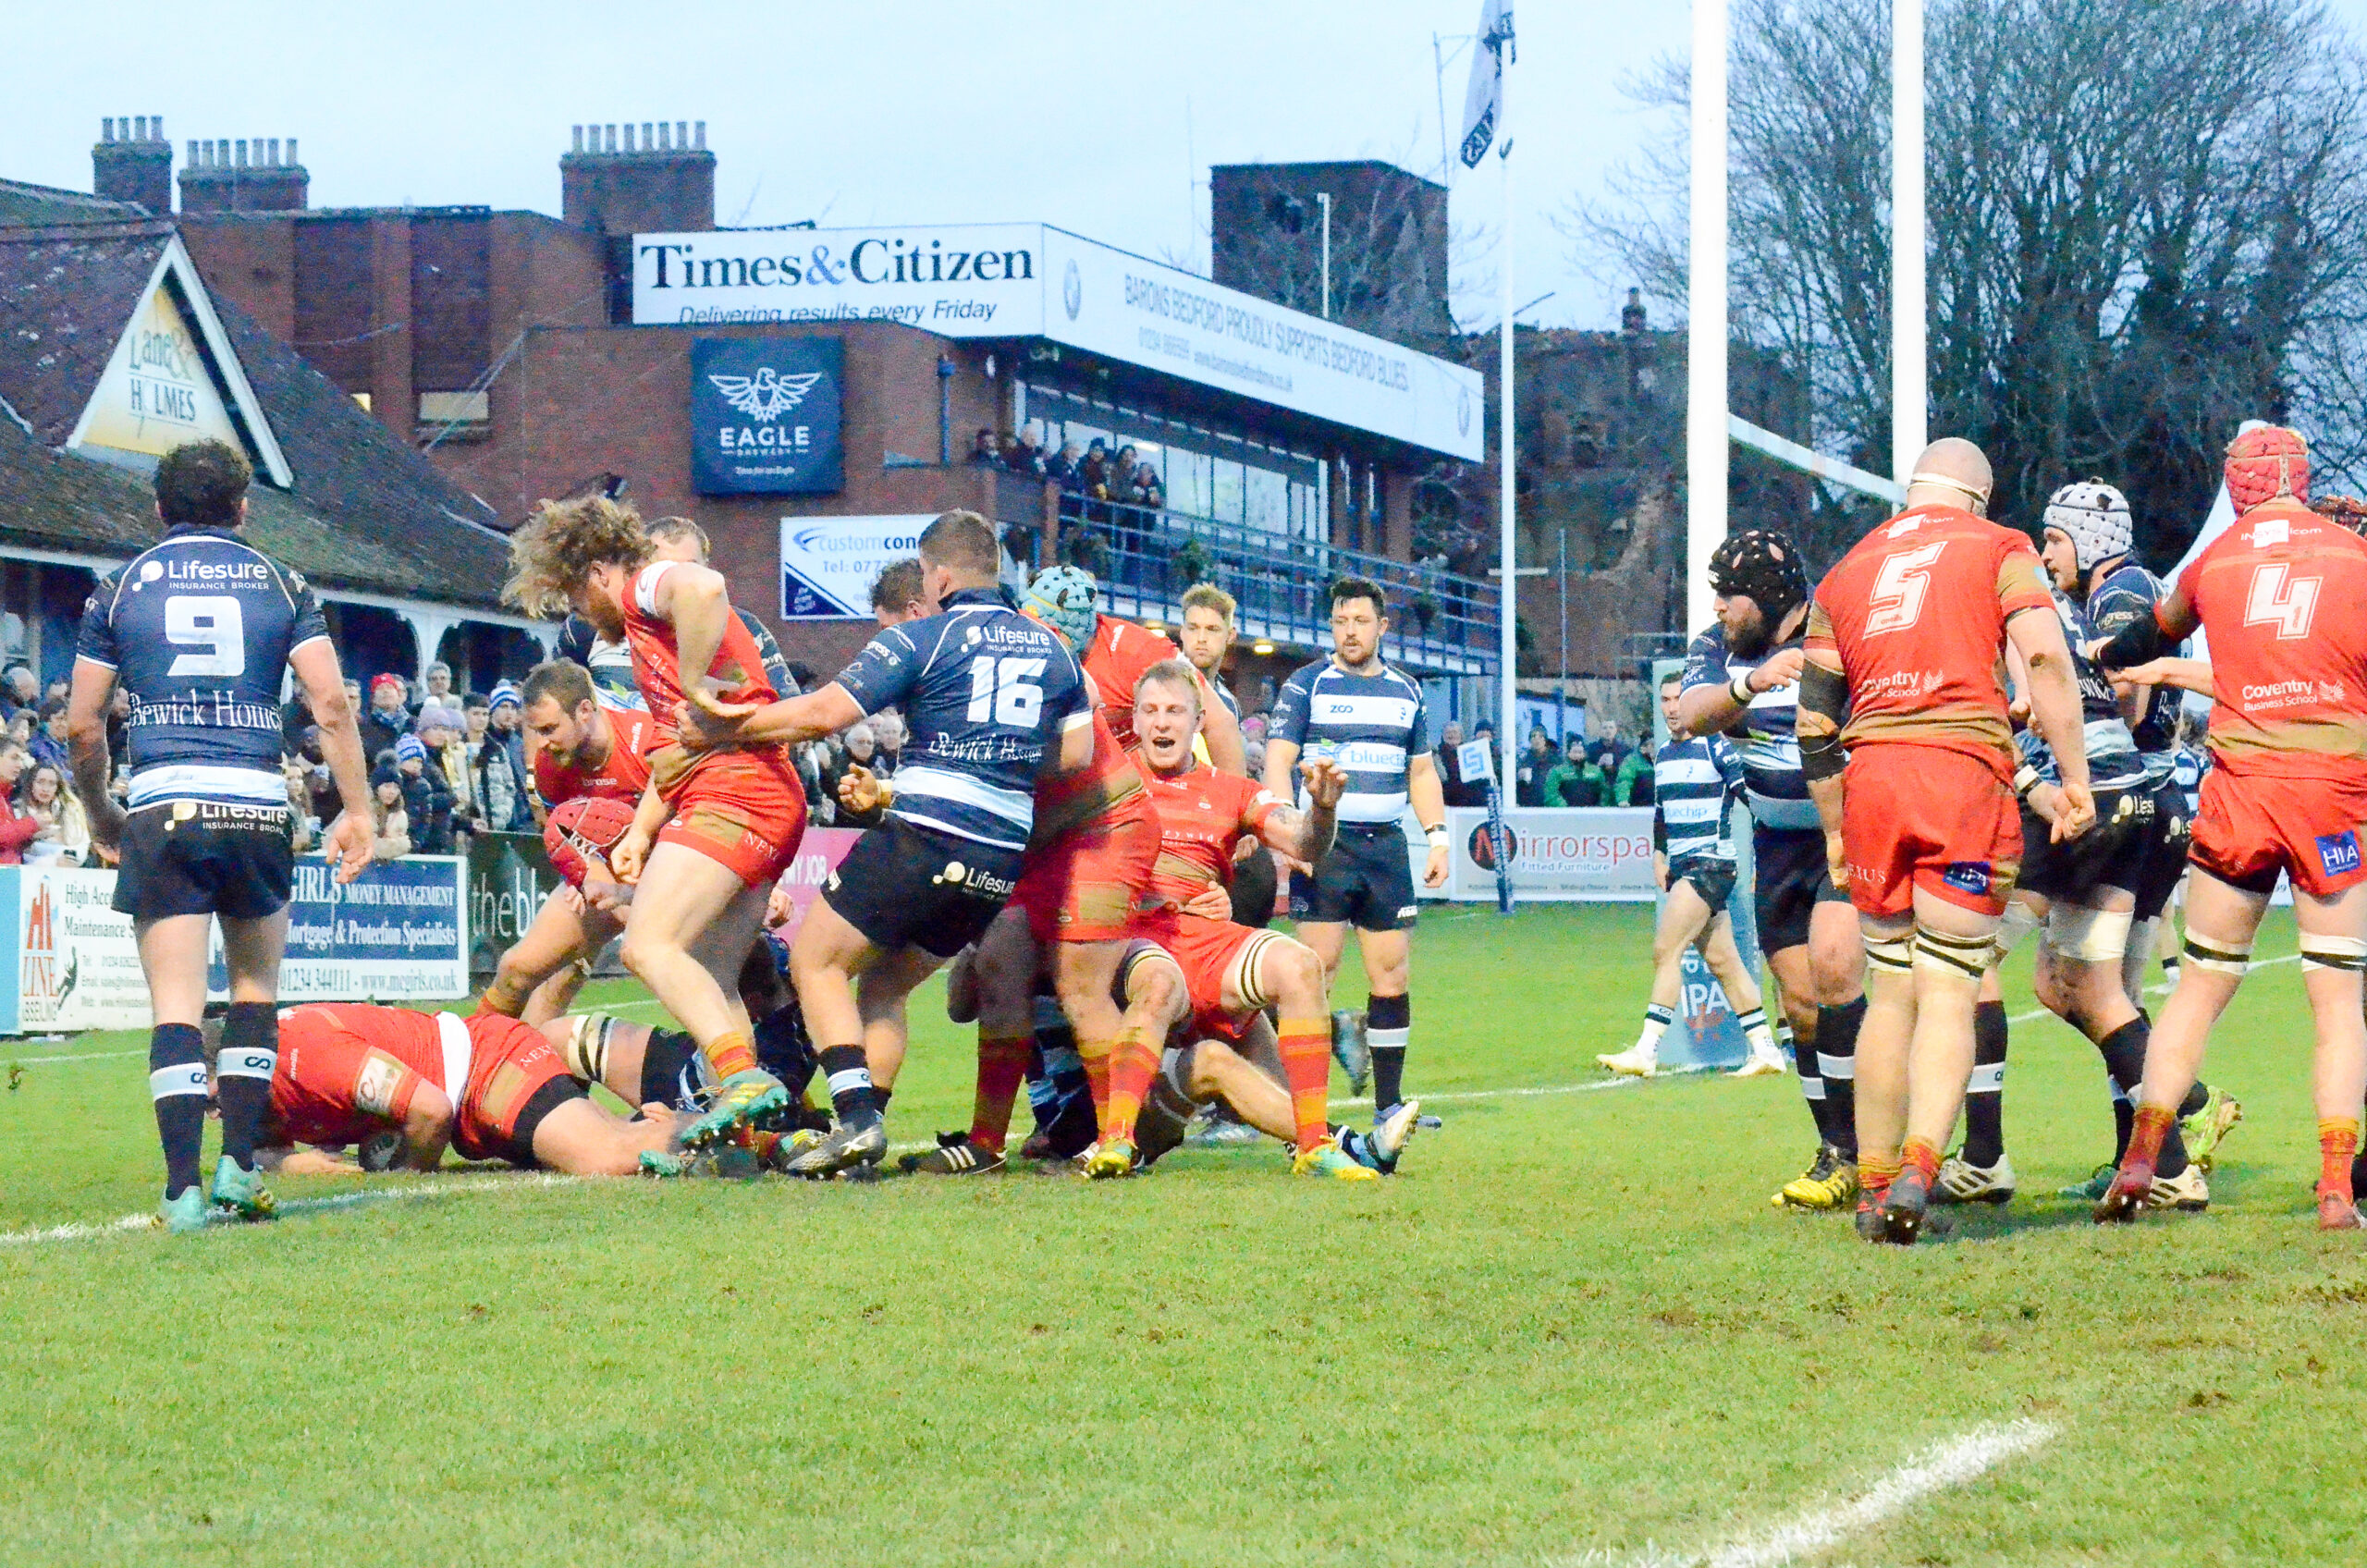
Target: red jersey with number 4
{"points": [[2282, 596], [736, 675], [1917, 614], [1203, 816], [622, 777]]}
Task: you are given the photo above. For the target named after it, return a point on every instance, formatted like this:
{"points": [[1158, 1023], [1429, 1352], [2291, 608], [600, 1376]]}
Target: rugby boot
{"points": [[847, 1147], [240, 1193], [2132, 1187], [672, 1163], [739, 1100], [1387, 1141], [1352, 1049], [2094, 1189], [2186, 1191], [2209, 1126], [1960, 1182], [1763, 1064], [1868, 1215], [1828, 1183], [185, 1213], [1109, 1158], [1635, 1061], [1905, 1208], [1327, 1158], [2338, 1213], [955, 1154]]}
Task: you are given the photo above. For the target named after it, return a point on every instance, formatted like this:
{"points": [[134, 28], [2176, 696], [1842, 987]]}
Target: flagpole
{"points": [[1508, 633], [1910, 383], [1705, 329]]}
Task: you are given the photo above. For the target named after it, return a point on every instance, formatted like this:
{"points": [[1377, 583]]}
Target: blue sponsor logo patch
{"points": [[2338, 853], [1969, 875]]}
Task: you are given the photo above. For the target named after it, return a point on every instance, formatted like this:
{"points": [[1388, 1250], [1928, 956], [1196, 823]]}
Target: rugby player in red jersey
{"points": [[1235, 972], [490, 1087], [731, 817], [579, 748], [2282, 596], [1901, 687]]}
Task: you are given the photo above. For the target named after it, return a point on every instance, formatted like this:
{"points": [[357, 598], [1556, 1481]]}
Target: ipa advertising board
{"points": [[827, 564], [765, 416]]}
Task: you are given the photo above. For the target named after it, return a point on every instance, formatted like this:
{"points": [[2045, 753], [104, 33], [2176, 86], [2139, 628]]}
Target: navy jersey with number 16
{"points": [[198, 630]]}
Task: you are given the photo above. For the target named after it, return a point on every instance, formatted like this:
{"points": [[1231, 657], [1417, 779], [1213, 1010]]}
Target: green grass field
{"points": [[1573, 1329]]}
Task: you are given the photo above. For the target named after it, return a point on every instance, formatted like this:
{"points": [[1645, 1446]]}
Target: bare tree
{"points": [[2144, 228]]}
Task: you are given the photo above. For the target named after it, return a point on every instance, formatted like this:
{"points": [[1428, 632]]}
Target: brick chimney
{"points": [[132, 162], [624, 180], [250, 175]]}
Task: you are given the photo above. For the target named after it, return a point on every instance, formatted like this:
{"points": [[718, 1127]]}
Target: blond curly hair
{"points": [[553, 554]]}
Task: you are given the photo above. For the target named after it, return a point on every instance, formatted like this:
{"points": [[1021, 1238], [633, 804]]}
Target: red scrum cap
{"points": [[2265, 463], [582, 831]]}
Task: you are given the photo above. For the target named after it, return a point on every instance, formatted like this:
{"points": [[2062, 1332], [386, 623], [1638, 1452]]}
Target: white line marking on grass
{"points": [[458, 1186], [85, 1056], [1951, 1463], [2037, 1012]]}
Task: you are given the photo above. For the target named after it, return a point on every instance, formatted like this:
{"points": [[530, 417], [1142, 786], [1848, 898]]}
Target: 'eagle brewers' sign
{"points": [[765, 415]]}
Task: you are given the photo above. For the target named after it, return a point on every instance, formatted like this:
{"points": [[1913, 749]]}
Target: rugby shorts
{"points": [[1254, 885], [515, 1078], [1365, 881], [743, 810], [2166, 857], [206, 857], [1211, 952], [1086, 885], [1711, 877], [1788, 881], [2250, 828], [1926, 818], [906, 886], [2117, 851]]}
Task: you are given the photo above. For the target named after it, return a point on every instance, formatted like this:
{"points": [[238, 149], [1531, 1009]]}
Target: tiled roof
{"points": [[24, 204], [65, 294]]}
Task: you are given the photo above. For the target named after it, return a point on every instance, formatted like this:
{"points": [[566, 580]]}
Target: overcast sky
{"points": [[1099, 117]]}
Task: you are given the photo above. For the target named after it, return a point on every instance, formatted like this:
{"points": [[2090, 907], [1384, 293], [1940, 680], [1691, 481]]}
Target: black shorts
{"points": [[1253, 889], [1365, 881], [197, 857], [1789, 879], [1711, 877], [2116, 852], [518, 1146], [907, 887], [2165, 864]]}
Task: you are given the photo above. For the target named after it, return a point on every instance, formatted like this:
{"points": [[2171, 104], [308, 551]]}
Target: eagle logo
{"points": [[767, 395]]}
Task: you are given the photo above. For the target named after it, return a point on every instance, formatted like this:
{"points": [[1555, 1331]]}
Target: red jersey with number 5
{"points": [[2282, 596], [1917, 614]]}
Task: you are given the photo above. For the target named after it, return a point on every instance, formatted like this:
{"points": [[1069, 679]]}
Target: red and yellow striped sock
{"points": [[2338, 1143], [1002, 1064], [2145, 1135], [1094, 1054], [1876, 1168], [730, 1053], [1921, 1157], [1306, 1068], [1133, 1065]]}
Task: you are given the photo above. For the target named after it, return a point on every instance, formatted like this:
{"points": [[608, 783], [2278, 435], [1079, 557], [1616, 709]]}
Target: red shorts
{"points": [[1085, 885], [1209, 952], [745, 810], [1926, 817], [515, 1078], [2249, 828]]}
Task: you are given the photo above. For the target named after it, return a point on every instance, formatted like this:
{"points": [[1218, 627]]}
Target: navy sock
{"points": [[1985, 1100], [2124, 1054], [1388, 1021], [242, 1076], [177, 1082], [851, 1096], [1836, 1058]]}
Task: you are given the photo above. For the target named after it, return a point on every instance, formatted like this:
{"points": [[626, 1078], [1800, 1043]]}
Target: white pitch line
{"points": [[1954, 1462], [84, 1231], [85, 1056], [2036, 1014]]}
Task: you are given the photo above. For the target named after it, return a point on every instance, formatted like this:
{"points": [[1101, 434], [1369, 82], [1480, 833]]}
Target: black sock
{"points": [[1812, 1087], [2124, 1054], [2196, 1098], [1837, 1060], [851, 1096], [242, 1076], [1985, 1100], [177, 1081], [1387, 1021]]}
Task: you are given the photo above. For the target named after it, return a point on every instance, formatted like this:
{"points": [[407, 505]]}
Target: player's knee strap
{"points": [[1891, 955], [586, 1051], [2014, 928], [1968, 957], [2346, 953], [2091, 936], [2217, 955]]}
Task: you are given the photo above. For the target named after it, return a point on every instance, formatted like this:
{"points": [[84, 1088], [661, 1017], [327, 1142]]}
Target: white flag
{"points": [[1484, 100]]}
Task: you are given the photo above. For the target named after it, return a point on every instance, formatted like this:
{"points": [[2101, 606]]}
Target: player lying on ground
{"points": [[404, 1086], [992, 700], [1694, 782], [2282, 597], [1904, 641], [715, 827]]}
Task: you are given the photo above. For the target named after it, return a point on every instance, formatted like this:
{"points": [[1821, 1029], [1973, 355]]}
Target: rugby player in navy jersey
{"points": [[1353, 709], [200, 629], [992, 699]]}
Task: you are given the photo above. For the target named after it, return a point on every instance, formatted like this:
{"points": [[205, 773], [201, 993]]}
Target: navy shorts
{"points": [[1365, 881], [202, 857]]}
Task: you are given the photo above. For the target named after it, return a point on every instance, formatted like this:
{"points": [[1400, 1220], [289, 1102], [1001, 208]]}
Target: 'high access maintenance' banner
{"points": [[1032, 280]]}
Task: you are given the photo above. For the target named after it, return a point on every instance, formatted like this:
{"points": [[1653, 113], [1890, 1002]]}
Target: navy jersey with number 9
{"points": [[198, 630]]}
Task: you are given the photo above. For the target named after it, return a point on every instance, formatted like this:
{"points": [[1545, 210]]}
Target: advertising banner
{"points": [[827, 564], [77, 966], [1575, 854], [818, 854], [1031, 280], [508, 877], [1705, 1033], [765, 416]]}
